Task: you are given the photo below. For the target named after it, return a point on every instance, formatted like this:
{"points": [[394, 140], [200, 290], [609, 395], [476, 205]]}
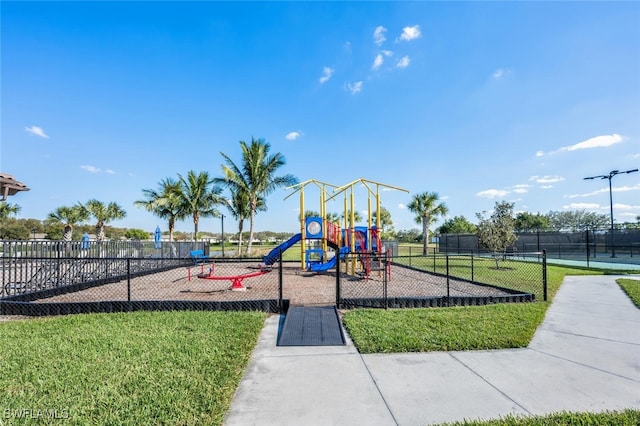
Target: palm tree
{"points": [[256, 177], [8, 209], [103, 213], [357, 217], [198, 197], [426, 208], [69, 217], [239, 208], [164, 203]]}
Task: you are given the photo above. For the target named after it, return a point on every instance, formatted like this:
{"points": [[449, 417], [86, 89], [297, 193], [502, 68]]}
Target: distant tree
{"points": [[136, 234], [409, 236], [103, 214], [255, 177], [576, 220], [199, 196], [14, 229], [357, 217], [333, 217], [68, 217], [311, 213], [164, 203], [527, 222], [386, 223], [240, 208], [457, 225], [427, 209], [496, 232]]}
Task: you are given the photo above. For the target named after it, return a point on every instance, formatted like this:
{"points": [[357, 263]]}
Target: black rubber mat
{"points": [[311, 326]]}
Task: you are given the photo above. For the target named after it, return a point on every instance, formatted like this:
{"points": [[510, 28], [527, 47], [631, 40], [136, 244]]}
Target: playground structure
{"points": [[236, 280], [318, 234]]}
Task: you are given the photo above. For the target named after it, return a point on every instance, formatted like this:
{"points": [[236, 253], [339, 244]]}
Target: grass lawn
{"points": [[456, 328], [609, 418], [125, 368], [632, 288]]}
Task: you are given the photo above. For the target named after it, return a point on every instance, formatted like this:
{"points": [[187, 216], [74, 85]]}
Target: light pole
{"points": [[610, 176]]}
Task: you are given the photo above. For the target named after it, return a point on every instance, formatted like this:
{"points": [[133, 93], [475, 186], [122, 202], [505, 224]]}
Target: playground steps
{"points": [[311, 326]]}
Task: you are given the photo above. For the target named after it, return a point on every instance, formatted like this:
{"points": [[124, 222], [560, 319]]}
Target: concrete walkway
{"points": [[584, 357]]}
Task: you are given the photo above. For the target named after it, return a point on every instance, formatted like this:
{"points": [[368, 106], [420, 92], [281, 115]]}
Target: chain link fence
{"points": [[56, 284], [441, 280], [621, 246]]}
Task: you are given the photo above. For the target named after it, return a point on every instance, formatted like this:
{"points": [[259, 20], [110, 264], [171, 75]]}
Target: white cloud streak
{"points": [[327, 72], [595, 142], [35, 130], [546, 179], [378, 35], [377, 62], [292, 136], [581, 206], [354, 88], [492, 193], [90, 169], [403, 62], [410, 33]]}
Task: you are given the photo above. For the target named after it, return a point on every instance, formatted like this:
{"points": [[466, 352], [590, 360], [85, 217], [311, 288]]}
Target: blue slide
{"points": [[321, 267], [274, 254]]}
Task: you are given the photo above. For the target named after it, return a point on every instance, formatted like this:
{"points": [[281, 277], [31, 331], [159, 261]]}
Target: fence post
{"points": [[472, 276], [544, 274], [338, 279], [587, 240], [385, 280], [448, 293], [128, 280], [280, 284]]}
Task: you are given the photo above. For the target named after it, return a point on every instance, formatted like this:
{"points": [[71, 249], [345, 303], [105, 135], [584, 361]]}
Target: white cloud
{"points": [[403, 62], [595, 142], [546, 186], [410, 33], [402, 206], [521, 189], [492, 193], [354, 87], [546, 179], [377, 62], [90, 169], [619, 206], [93, 169], [292, 136], [581, 206], [539, 153], [498, 73], [378, 35], [606, 189], [327, 72], [389, 53], [35, 130]]}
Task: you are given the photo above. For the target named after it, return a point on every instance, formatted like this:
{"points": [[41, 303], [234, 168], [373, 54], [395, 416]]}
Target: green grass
{"points": [[632, 288], [459, 328], [607, 418], [128, 368], [444, 329]]}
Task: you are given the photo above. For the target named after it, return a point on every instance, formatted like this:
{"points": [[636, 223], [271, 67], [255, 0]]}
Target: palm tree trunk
{"points": [[425, 234], [250, 232], [195, 226], [100, 232], [240, 229]]}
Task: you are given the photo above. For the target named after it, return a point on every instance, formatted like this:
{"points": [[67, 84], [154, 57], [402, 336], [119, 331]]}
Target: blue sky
{"points": [[477, 101]]}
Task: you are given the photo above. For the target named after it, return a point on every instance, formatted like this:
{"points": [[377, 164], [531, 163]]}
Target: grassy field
{"points": [[609, 418], [130, 368], [632, 288], [456, 328]]}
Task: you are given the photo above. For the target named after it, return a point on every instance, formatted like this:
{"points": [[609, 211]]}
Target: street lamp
{"points": [[610, 176]]}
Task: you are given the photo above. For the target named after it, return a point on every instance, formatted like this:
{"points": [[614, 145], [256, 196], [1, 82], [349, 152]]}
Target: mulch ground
{"points": [[300, 287]]}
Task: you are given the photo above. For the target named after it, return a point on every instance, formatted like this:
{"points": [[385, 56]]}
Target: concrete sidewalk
{"points": [[584, 357]]}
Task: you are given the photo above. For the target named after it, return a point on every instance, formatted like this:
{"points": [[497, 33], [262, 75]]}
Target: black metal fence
{"points": [[52, 285], [442, 280], [621, 246]]}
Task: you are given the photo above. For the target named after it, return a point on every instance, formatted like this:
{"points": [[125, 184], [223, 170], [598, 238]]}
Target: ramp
{"points": [[311, 326]]}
